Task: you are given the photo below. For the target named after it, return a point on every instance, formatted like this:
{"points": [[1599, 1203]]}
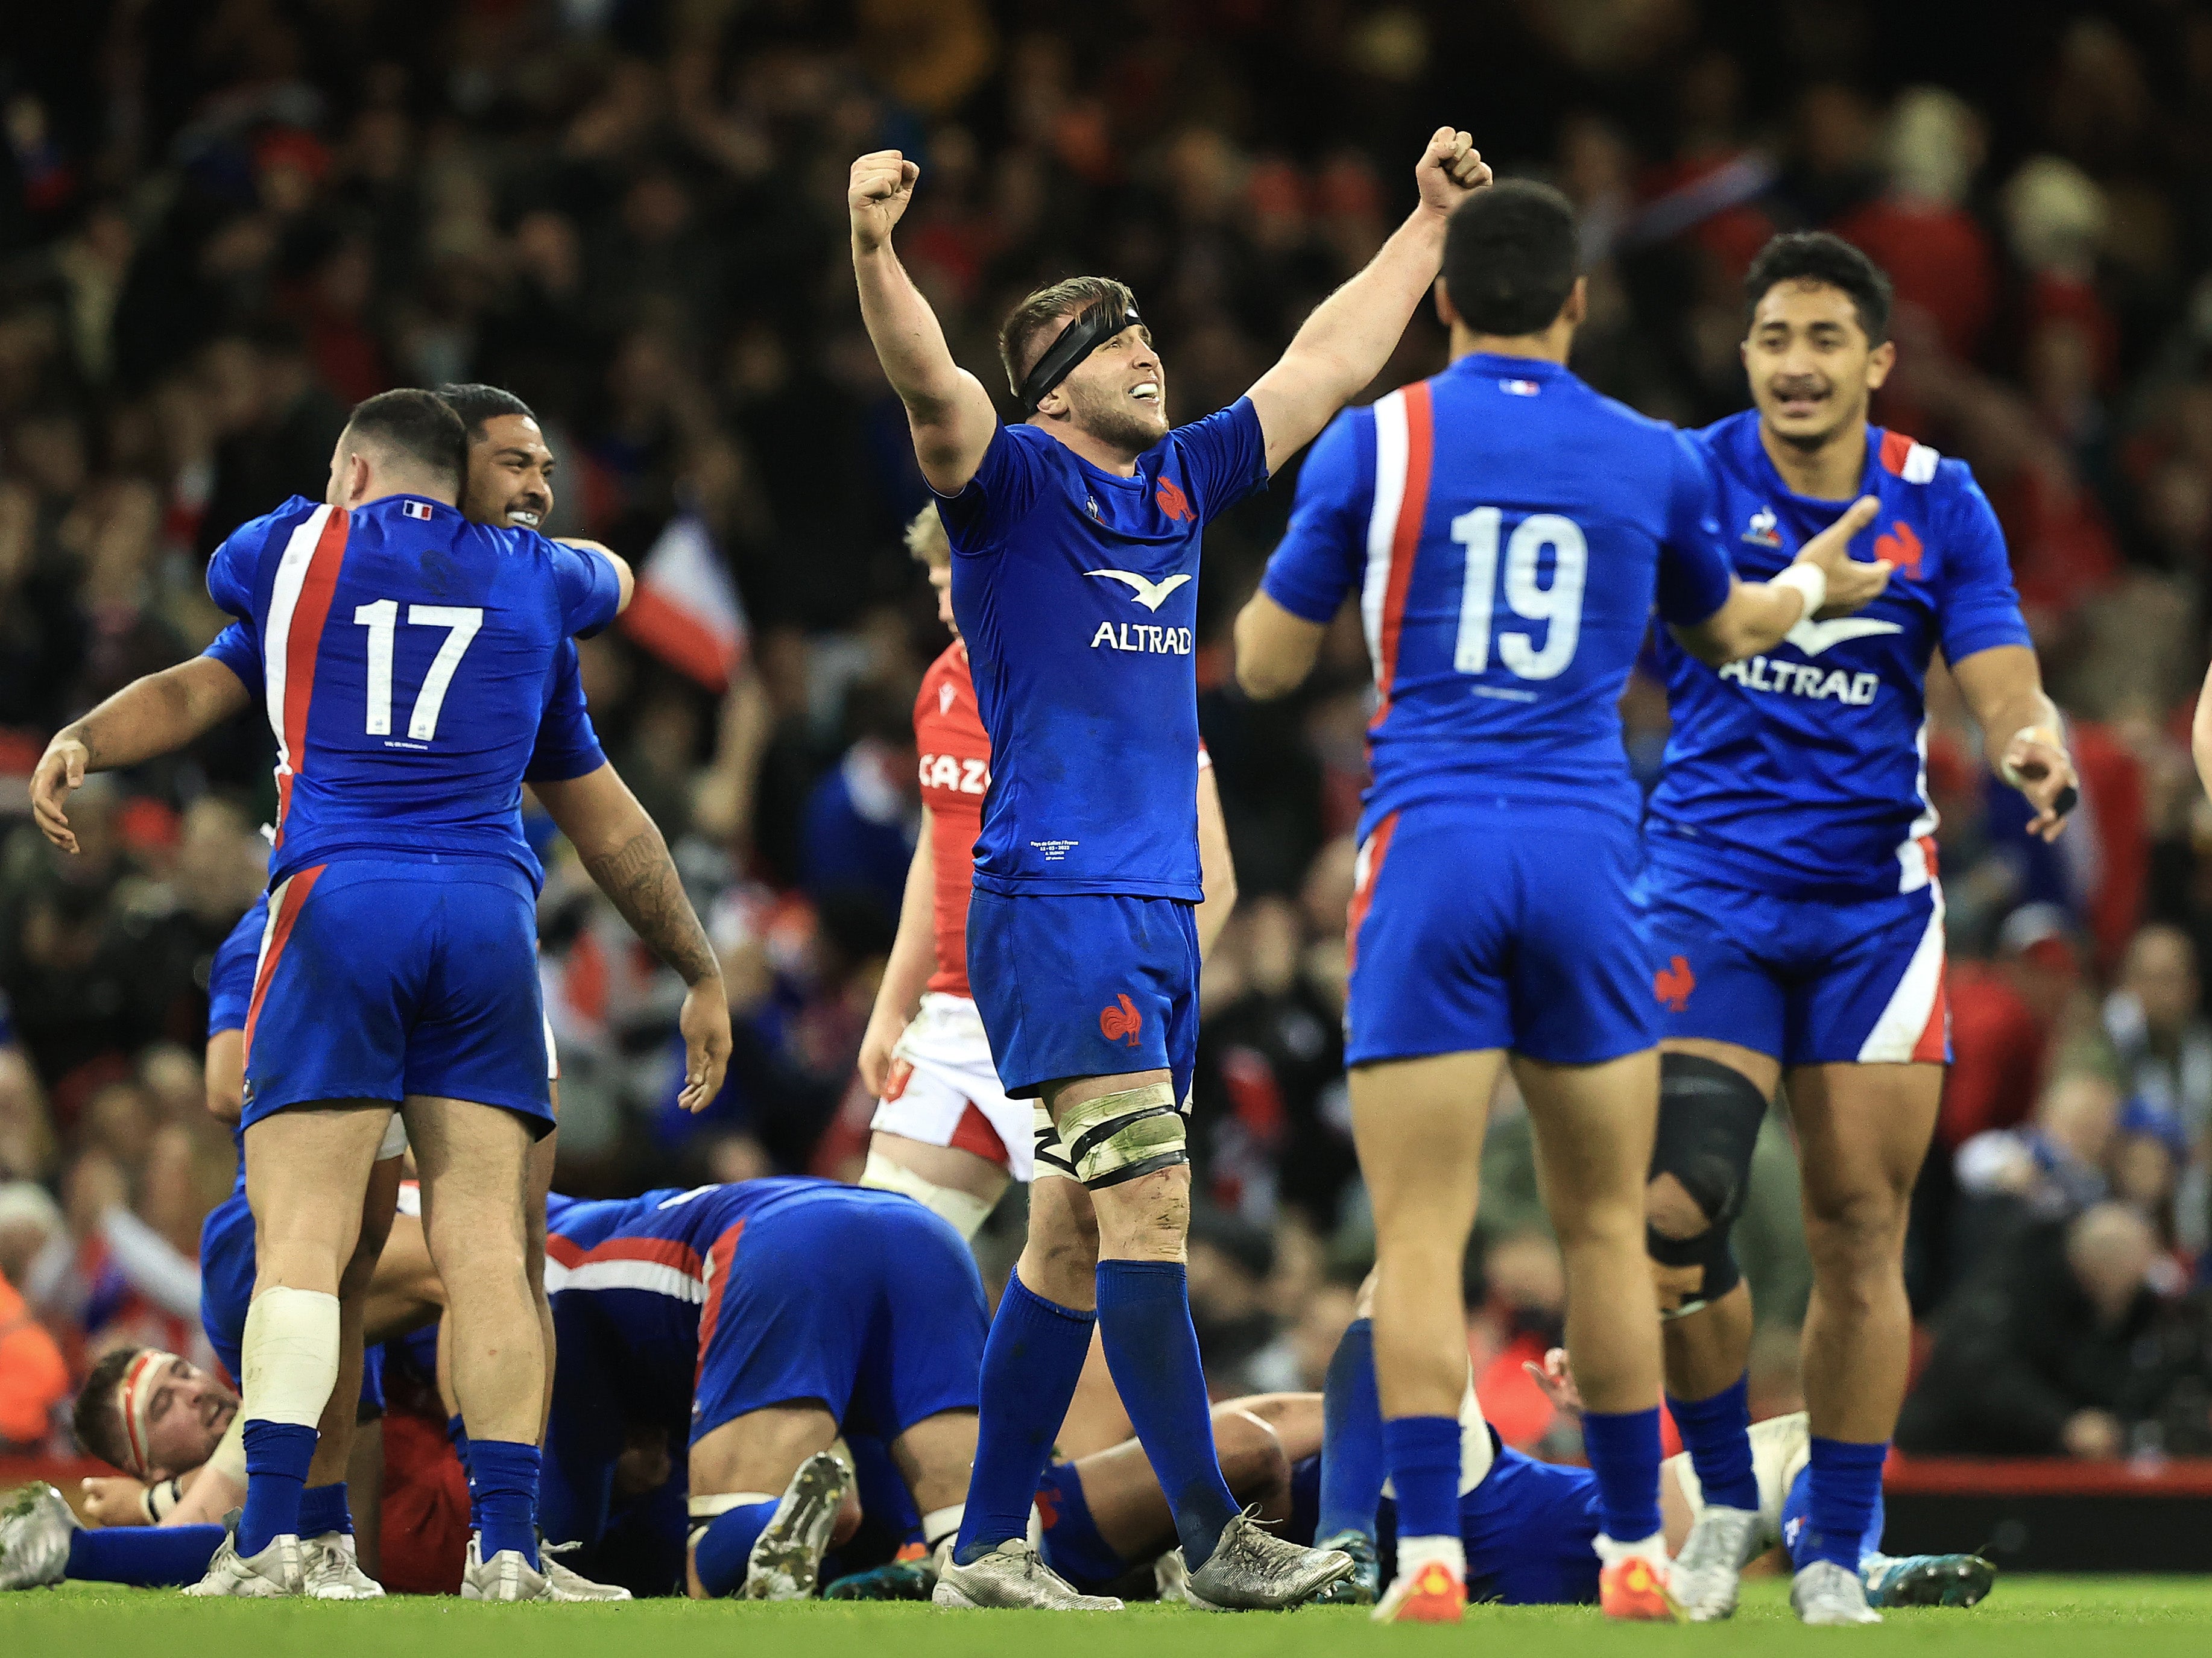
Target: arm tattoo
{"points": [[641, 878]]}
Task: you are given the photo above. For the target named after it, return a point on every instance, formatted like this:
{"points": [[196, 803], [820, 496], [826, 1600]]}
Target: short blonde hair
{"points": [[927, 540]]}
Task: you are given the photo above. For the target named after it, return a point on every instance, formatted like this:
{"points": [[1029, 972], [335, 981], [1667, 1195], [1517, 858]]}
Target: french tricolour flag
{"points": [[686, 609]]}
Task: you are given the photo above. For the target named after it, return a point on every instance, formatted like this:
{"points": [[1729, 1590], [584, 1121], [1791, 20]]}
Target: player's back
{"points": [[1504, 527], [407, 656]]}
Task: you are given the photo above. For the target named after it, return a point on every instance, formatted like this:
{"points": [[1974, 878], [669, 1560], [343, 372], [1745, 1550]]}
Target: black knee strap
{"points": [[1709, 1119]]}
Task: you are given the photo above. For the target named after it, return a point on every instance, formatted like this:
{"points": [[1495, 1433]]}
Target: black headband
{"points": [[1077, 341]]}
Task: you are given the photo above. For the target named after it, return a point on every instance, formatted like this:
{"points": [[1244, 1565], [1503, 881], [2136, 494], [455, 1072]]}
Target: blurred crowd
{"points": [[221, 224]]}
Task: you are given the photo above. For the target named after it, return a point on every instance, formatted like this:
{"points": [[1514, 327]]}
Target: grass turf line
{"points": [[2026, 1617]]}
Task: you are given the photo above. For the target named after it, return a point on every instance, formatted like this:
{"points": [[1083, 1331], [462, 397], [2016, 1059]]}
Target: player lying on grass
{"points": [[944, 1133], [1528, 1528]]}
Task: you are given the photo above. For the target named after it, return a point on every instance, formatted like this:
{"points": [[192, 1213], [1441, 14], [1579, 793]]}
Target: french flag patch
{"points": [[415, 508], [1520, 388]]}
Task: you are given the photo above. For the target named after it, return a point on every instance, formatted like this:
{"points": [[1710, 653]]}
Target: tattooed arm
{"points": [[623, 851]]}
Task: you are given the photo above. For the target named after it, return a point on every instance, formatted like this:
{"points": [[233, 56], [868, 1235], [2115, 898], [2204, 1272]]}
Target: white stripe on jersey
{"points": [[1920, 464], [283, 600], [1390, 450], [1911, 855], [656, 1276], [1898, 1032]]}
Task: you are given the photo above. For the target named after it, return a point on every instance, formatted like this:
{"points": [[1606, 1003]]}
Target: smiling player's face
{"points": [[186, 1416], [1810, 363], [510, 475], [1118, 394]]}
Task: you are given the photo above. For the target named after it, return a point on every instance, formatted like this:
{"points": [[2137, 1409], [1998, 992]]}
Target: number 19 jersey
{"points": [[1507, 529], [405, 656]]}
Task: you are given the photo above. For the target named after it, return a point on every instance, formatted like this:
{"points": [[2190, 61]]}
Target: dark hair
{"points": [[97, 1417], [418, 425], [1817, 256], [1034, 315], [477, 405], [1510, 258]]}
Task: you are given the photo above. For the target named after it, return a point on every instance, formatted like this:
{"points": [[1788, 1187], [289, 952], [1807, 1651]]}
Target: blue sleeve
{"points": [[235, 570], [1976, 607], [590, 589], [238, 647], [1695, 574], [567, 747], [1224, 459], [230, 975], [1319, 559], [1004, 488]]}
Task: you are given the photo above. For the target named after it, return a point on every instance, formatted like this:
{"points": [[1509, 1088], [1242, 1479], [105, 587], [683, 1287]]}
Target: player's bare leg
{"points": [[766, 1492], [474, 1161], [303, 1168], [1419, 1125], [1862, 1131], [1707, 1348], [1060, 1257], [1593, 1125]]}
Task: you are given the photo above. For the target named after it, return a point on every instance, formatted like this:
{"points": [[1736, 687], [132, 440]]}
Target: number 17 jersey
{"points": [[1508, 530], [405, 657]]}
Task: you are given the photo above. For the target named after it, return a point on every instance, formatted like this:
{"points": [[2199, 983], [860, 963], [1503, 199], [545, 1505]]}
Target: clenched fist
{"points": [[881, 185], [1452, 170]]}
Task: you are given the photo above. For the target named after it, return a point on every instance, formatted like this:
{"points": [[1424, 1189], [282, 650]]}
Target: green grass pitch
{"points": [[2066, 1617]]}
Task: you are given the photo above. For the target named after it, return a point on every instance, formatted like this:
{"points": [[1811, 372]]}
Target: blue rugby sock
{"points": [[1842, 1499], [1352, 1437], [322, 1509], [504, 1493], [1624, 1455], [1151, 1348], [725, 1547], [1424, 1456], [277, 1458], [1716, 1433], [1032, 1363], [146, 1557]]}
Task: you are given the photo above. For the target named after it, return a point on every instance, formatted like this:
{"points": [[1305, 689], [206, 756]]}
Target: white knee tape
{"points": [[965, 1211], [1120, 1136], [290, 1355]]}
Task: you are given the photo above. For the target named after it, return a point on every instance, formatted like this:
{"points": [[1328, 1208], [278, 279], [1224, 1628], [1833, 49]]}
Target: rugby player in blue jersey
{"points": [[1795, 918], [403, 655], [1507, 531], [1075, 542]]}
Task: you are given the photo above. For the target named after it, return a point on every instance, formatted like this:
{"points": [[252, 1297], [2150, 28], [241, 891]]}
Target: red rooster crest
{"points": [[1124, 1020]]}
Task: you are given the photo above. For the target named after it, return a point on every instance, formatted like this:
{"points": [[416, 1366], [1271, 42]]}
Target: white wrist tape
{"points": [[1810, 581]]}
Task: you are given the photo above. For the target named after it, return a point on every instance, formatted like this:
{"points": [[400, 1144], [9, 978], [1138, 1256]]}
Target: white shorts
{"points": [[1781, 1446], [941, 1072]]}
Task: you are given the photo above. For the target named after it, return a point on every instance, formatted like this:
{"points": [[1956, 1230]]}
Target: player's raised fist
{"points": [[1852, 583], [881, 185], [1452, 170]]}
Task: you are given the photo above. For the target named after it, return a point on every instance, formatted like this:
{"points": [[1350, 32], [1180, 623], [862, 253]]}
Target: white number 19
{"points": [[382, 621], [1559, 604]]}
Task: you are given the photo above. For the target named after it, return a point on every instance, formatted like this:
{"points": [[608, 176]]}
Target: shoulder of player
{"points": [[278, 524]]}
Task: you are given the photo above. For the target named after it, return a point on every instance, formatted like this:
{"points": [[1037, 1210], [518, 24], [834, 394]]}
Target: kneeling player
{"points": [[758, 1321]]}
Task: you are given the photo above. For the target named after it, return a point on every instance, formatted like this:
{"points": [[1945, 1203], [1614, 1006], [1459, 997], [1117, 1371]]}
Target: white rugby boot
{"points": [[1708, 1570], [332, 1569], [506, 1576], [569, 1584], [1013, 1575], [1252, 1569], [35, 1529], [279, 1570], [1826, 1593], [786, 1561]]}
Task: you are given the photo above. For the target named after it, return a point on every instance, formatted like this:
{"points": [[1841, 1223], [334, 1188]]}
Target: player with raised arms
{"points": [[1796, 917], [383, 612], [944, 1133], [1075, 542], [1507, 531]]}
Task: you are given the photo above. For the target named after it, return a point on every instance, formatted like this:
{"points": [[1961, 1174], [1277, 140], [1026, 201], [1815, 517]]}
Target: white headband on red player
{"points": [[135, 1397]]}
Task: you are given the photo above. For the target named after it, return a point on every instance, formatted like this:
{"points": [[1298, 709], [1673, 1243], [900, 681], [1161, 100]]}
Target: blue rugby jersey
{"points": [[405, 659], [1077, 592], [1805, 770], [1507, 529]]}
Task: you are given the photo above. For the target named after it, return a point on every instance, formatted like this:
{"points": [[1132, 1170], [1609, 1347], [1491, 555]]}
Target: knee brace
{"points": [[1709, 1119], [1120, 1136], [966, 1212]]}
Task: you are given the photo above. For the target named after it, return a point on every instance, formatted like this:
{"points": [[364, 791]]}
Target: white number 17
{"points": [[382, 621]]}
